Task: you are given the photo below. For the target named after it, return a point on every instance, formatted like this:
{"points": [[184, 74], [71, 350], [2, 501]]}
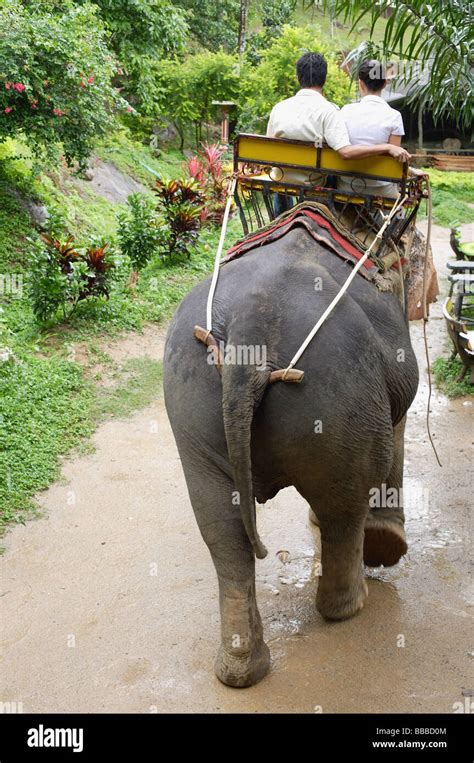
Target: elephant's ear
{"points": [[242, 390]]}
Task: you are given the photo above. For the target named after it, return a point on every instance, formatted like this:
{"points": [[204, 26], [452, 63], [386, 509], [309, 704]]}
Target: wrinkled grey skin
{"points": [[239, 437]]}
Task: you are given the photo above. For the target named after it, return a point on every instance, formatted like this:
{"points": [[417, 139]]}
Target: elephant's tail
{"points": [[242, 390]]}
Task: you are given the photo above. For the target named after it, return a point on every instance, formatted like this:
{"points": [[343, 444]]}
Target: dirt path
{"points": [[109, 602]]}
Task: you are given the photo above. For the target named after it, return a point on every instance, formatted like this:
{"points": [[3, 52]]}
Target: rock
{"points": [[452, 144], [38, 212], [165, 133], [88, 174]]}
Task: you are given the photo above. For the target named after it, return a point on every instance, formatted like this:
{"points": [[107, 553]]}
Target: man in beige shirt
{"points": [[309, 116]]}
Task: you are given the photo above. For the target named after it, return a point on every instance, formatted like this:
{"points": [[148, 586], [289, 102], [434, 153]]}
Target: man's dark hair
{"points": [[311, 70], [372, 74]]}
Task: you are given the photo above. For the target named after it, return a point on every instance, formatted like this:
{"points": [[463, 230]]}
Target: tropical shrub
{"points": [[207, 170], [139, 232], [62, 275], [55, 76], [180, 203]]}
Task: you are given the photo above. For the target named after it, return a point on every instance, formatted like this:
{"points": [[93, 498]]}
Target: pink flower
{"points": [[19, 87], [8, 85], [90, 79], [129, 108], [33, 104], [57, 112], [8, 109]]}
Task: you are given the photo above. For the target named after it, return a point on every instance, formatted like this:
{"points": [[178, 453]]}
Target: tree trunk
{"points": [[244, 9], [420, 127]]}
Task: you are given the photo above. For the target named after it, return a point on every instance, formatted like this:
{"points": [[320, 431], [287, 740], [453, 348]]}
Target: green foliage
{"points": [[213, 25], [135, 159], [142, 31], [275, 14], [55, 72], [435, 35], [446, 373], [139, 232], [183, 92], [62, 276], [275, 77], [180, 203]]}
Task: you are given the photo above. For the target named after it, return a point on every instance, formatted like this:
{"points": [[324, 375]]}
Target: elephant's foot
{"points": [[241, 670], [384, 541], [340, 604]]}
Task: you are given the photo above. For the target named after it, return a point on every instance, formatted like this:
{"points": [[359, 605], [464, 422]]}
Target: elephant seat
{"points": [[304, 171]]}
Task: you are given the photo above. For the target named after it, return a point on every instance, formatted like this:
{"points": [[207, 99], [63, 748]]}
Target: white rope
{"points": [[398, 205], [218, 255]]}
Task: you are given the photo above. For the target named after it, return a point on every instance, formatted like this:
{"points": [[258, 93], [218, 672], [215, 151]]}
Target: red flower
{"points": [[57, 112], [90, 79], [8, 109], [33, 104], [19, 87], [129, 108]]}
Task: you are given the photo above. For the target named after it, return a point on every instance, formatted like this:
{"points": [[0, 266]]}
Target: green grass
{"points": [[453, 195], [44, 412], [139, 385], [446, 374]]}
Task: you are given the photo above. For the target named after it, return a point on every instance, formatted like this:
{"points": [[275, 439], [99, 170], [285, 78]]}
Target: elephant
{"points": [[336, 437]]}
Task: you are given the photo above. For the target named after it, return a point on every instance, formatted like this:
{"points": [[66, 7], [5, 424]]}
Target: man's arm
{"points": [[362, 152]]}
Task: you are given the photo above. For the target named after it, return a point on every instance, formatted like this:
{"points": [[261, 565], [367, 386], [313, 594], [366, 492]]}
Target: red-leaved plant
{"points": [[206, 169]]}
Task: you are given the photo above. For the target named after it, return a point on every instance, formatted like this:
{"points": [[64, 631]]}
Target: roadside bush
{"points": [[139, 232], [62, 275]]}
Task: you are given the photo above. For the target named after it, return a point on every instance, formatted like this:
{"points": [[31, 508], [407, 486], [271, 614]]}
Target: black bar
{"points": [[153, 736]]}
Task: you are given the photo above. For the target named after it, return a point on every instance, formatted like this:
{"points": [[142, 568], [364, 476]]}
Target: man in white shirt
{"points": [[371, 121], [309, 116]]}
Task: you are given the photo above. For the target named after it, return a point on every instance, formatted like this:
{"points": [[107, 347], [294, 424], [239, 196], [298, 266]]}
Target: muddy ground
{"points": [[109, 602]]}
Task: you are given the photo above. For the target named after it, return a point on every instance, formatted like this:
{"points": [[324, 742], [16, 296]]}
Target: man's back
{"points": [[308, 116]]}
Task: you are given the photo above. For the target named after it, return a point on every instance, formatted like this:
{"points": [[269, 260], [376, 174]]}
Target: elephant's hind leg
{"points": [[342, 589], [385, 541], [243, 658]]}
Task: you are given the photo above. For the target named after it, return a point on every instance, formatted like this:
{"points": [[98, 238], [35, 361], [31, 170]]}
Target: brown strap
{"points": [[291, 375]]}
